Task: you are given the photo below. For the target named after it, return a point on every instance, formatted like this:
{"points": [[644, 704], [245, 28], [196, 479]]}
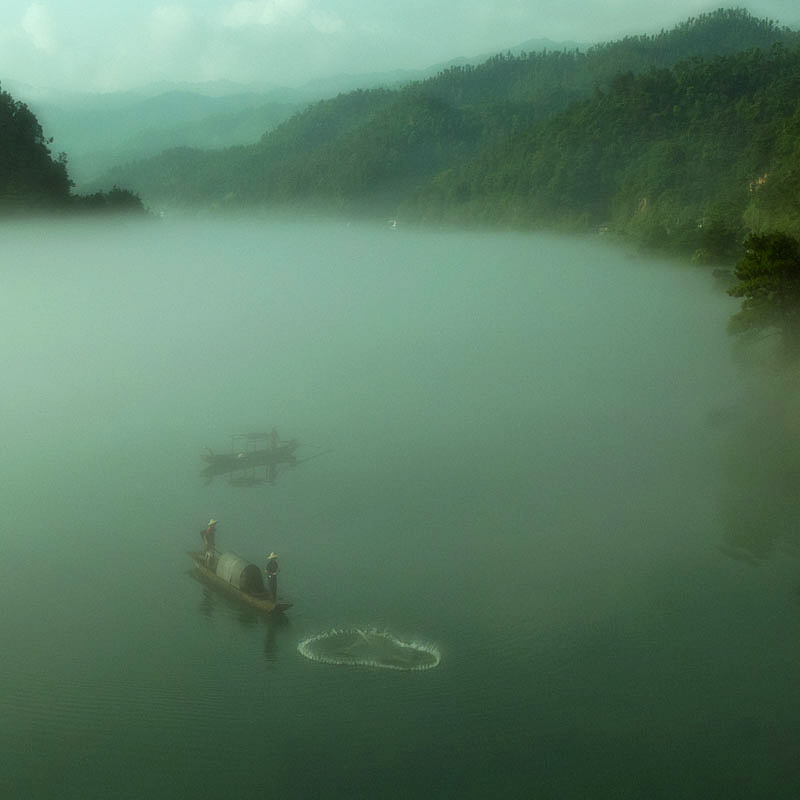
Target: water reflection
{"points": [[275, 623], [761, 471], [213, 602], [255, 459], [206, 601]]}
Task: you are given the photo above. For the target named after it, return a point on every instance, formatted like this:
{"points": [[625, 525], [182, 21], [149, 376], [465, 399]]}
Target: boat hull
{"points": [[224, 464], [262, 602]]}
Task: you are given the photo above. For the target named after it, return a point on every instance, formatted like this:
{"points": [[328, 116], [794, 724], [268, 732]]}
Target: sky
{"points": [[110, 45]]}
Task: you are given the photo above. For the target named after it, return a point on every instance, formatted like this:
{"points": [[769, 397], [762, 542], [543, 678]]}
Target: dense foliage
{"points": [[31, 179], [29, 176], [684, 158], [686, 140], [768, 278]]}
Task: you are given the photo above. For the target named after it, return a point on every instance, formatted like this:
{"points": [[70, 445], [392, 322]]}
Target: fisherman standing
{"points": [[272, 576], [209, 545]]}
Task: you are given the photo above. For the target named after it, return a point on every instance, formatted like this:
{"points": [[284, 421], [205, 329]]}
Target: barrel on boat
{"points": [[240, 573]]}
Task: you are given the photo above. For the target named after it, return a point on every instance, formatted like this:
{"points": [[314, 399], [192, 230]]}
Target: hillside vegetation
{"points": [[685, 139], [33, 180], [685, 158], [101, 131], [29, 175]]}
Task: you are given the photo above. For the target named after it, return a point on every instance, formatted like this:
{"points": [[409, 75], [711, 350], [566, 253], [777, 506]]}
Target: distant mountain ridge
{"points": [[375, 149], [686, 140], [100, 131]]}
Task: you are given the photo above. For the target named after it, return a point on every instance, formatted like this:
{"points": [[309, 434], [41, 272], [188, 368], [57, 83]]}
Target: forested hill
{"points": [[29, 175], [685, 159], [33, 180], [653, 133]]}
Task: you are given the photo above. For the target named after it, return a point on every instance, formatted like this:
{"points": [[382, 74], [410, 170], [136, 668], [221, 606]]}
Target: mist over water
{"points": [[538, 447]]}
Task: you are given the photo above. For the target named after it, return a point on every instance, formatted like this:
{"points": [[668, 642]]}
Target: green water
{"points": [[534, 449]]}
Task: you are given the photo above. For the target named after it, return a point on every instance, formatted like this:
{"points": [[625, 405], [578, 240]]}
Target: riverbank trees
{"points": [[768, 278], [30, 178], [33, 180]]}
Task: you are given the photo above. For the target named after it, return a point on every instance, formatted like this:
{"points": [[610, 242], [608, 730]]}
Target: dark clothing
{"points": [[272, 578], [209, 545], [208, 538]]}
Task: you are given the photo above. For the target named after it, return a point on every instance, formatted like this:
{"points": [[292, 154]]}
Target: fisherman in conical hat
{"points": [[272, 576], [209, 545]]}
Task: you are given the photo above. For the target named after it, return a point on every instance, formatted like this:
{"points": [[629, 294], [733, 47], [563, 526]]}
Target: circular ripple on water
{"points": [[369, 648]]}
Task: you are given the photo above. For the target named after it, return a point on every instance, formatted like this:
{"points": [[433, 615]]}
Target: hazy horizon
{"points": [[85, 46]]}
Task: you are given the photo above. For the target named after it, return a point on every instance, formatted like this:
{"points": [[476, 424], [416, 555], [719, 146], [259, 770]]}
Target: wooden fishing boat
{"points": [[249, 463], [243, 464], [223, 463], [238, 578]]}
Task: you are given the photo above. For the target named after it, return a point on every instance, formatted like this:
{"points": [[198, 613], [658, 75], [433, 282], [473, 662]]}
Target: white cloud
{"points": [[38, 26], [262, 12], [91, 44], [327, 23], [168, 23]]}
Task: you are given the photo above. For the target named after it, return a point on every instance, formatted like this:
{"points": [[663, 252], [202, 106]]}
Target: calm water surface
{"points": [[537, 454]]}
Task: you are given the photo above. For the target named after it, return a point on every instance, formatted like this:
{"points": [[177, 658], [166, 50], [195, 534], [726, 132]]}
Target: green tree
{"points": [[769, 281], [29, 176], [115, 201]]}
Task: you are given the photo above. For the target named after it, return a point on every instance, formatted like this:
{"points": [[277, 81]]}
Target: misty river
{"points": [[541, 456]]}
